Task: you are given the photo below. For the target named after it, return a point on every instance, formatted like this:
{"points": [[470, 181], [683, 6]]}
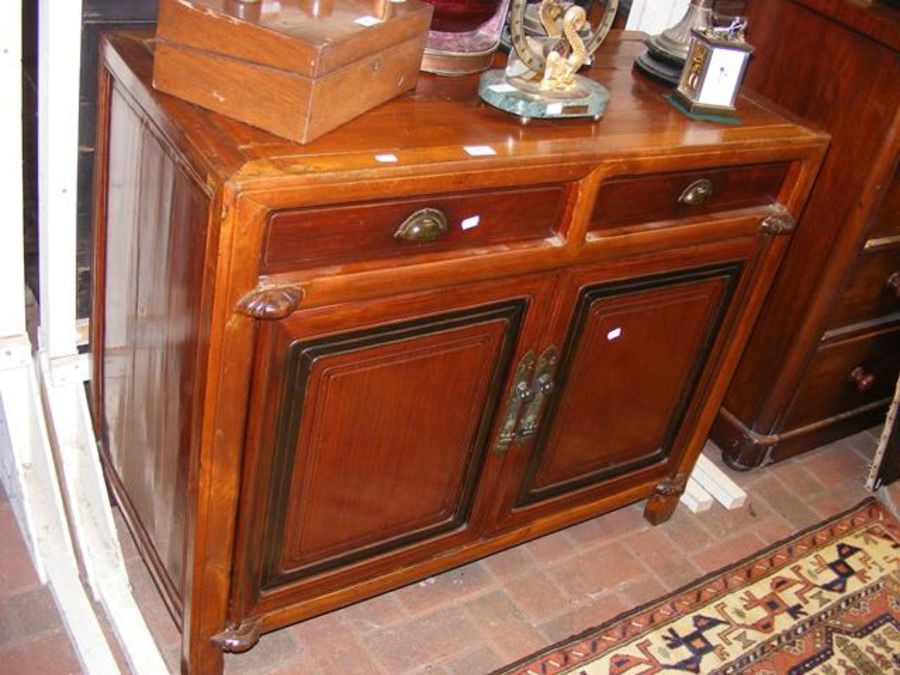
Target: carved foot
{"points": [[239, 638], [662, 505]]}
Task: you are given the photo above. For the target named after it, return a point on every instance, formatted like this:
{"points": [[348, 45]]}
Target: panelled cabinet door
{"points": [[371, 427], [630, 357]]}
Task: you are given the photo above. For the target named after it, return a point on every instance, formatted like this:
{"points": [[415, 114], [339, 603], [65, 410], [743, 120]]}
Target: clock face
{"points": [[722, 77]]}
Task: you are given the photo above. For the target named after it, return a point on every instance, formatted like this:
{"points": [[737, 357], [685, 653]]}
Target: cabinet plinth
{"points": [[320, 375]]}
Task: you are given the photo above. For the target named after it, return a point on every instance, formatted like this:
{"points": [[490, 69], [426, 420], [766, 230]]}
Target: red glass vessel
{"points": [[460, 16]]}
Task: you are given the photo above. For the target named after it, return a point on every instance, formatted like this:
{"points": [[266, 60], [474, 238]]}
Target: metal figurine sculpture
{"points": [[541, 79], [559, 73]]}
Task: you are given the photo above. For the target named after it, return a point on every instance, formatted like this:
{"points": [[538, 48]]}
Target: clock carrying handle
{"points": [[531, 58]]}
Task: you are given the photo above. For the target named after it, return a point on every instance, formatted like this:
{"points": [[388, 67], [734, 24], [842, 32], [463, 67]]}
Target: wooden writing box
{"points": [[296, 68]]}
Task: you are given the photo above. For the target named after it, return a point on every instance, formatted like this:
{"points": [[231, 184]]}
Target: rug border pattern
{"points": [[557, 659]]}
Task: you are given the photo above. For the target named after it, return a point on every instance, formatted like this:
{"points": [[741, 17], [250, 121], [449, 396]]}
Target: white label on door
{"points": [[470, 222]]}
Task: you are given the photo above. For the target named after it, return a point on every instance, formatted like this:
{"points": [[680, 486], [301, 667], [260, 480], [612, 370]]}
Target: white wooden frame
{"points": [[56, 489]]}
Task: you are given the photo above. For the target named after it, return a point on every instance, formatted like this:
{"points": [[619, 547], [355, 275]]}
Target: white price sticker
{"points": [[470, 222], [479, 150], [367, 21]]}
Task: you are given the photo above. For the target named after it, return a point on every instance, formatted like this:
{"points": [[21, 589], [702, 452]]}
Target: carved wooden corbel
{"points": [[239, 637], [779, 223], [275, 302]]}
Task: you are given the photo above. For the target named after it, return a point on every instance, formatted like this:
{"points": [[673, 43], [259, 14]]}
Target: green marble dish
{"points": [[589, 100]]}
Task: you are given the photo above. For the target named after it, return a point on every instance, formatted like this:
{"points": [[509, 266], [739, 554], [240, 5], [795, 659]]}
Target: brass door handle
{"points": [[543, 388], [697, 193], [424, 225], [521, 393]]}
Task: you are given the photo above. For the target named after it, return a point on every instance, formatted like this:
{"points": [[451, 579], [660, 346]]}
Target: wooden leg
{"points": [[659, 509], [661, 506], [202, 659]]}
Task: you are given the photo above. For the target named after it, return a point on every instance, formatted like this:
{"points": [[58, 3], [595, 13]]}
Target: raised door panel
{"points": [[629, 369], [381, 437], [373, 439]]}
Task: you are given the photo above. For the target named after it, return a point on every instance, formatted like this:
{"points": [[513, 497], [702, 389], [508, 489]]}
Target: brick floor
{"points": [[471, 620], [32, 636]]}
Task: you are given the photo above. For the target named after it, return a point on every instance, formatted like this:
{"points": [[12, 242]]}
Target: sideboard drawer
{"points": [[628, 200], [873, 289], [305, 238], [847, 375]]}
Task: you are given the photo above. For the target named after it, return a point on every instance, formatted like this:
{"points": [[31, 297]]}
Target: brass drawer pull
{"points": [[697, 193], [862, 380], [424, 225], [892, 285]]}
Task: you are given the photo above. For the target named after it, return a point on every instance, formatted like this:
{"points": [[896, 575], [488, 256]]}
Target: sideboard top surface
{"points": [[433, 126]]}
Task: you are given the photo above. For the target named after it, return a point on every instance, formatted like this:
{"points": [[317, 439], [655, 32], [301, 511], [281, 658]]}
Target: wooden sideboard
{"points": [[824, 357], [326, 371]]}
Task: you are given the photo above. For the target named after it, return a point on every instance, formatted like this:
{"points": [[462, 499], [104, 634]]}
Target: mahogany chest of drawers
{"points": [[323, 372], [825, 355]]}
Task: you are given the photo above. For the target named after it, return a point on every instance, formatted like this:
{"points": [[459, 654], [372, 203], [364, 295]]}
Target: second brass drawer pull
{"points": [[892, 285], [862, 380], [697, 193], [424, 225]]}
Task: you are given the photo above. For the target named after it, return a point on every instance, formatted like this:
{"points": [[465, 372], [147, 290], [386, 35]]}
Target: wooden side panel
{"points": [[634, 354], [98, 16], [381, 436], [887, 219], [155, 237]]}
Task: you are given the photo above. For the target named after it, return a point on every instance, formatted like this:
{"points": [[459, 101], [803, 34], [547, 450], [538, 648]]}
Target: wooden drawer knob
{"points": [[892, 285], [422, 226], [697, 193], [862, 380]]}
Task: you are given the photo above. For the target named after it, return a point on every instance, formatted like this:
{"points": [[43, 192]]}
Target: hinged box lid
{"points": [[307, 37]]}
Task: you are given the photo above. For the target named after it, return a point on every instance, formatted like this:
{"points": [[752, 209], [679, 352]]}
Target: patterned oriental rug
{"points": [[825, 601]]}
